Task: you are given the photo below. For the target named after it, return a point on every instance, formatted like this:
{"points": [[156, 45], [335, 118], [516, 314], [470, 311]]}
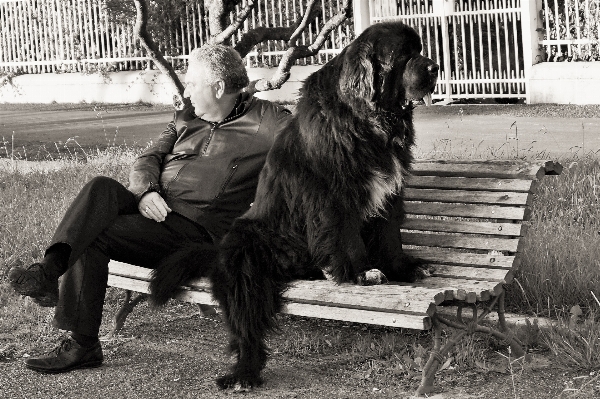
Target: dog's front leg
{"points": [[341, 250], [383, 240]]}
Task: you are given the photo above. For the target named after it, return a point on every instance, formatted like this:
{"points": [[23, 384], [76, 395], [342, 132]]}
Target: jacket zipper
{"points": [[213, 127], [224, 185]]}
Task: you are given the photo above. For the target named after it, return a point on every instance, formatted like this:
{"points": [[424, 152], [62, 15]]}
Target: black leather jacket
{"points": [[206, 171]]}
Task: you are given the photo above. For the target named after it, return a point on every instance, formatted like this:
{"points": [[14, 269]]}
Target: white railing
{"points": [[571, 30], [39, 36], [476, 43]]}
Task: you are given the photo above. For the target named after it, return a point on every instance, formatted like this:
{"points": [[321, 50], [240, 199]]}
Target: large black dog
{"points": [[329, 198]]}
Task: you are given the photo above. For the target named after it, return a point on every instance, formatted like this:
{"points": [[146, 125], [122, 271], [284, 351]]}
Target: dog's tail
{"points": [[250, 279], [196, 260]]}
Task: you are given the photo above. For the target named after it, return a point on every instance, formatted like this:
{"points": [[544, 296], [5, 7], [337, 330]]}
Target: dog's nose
{"points": [[433, 69]]}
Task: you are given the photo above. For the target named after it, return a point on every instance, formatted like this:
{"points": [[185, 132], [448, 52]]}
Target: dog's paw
{"points": [[238, 384], [371, 277]]}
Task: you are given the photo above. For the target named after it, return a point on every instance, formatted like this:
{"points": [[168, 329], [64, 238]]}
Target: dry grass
{"points": [[560, 265]]}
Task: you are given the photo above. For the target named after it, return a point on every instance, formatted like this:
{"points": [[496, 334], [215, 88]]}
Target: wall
{"points": [[565, 83], [560, 83], [123, 87]]}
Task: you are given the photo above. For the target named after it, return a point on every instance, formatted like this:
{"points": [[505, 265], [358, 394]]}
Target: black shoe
{"points": [[33, 282], [69, 355]]}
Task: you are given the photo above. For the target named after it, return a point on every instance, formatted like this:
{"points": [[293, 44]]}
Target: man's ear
{"points": [[219, 88]]}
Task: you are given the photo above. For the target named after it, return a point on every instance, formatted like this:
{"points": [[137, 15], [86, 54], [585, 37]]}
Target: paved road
{"points": [[440, 132], [88, 128], [502, 136]]}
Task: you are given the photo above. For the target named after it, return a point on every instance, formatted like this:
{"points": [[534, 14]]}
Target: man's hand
{"points": [[154, 207]]}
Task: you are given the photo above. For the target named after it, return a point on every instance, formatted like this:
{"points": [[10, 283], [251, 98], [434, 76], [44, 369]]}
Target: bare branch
{"points": [[293, 53], [259, 35], [235, 26], [333, 23], [141, 31], [217, 14], [287, 34], [308, 16]]}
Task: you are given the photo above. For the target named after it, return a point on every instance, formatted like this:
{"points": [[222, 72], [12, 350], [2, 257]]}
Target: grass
{"points": [[561, 256], [560, 269]]}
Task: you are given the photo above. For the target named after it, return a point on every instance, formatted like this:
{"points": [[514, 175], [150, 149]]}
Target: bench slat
{"points": [[467, 210], [467, 197], [490, 169], [128, 270], [476, 184], [388, 297], [459, 226], [415, 322], [127, 283], [461, 241], [473, 273], [438, 255]]}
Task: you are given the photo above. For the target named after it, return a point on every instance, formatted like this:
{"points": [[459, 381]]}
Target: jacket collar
{"points": [[242, 104]]}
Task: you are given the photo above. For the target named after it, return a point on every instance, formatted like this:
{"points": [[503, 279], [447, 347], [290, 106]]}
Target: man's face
{"points": [[203, 95]]}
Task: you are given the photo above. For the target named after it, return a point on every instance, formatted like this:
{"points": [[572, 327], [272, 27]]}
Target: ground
{"points": [[176, 352]]}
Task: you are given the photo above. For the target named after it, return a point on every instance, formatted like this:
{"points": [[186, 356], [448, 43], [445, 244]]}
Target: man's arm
{"points": [[145, 174]]}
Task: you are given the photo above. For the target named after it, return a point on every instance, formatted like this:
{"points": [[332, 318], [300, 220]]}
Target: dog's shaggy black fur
{"points": [[329, 198]]}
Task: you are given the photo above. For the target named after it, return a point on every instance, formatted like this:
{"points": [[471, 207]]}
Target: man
{"points": [[187, 188]]}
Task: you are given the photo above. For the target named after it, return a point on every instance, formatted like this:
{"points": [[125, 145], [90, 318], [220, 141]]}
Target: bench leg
{"points": [[439, 353], [124, 310]]}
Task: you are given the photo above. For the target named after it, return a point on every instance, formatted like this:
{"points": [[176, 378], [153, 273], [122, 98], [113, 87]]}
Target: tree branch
{"points": [[141, 31], [287, 34], [217, 14], [235, 26], [292, 54], [308, 16], [259, 35]]}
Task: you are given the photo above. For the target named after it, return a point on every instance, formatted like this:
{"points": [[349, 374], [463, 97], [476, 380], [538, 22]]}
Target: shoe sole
{"points": [[25, 288], [87, 365]]}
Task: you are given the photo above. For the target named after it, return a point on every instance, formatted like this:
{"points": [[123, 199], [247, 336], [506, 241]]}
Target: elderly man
{"points": [[188, 187]]}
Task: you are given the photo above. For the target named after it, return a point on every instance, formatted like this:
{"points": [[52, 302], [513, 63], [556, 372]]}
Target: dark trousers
{"points": [[103, 223]]}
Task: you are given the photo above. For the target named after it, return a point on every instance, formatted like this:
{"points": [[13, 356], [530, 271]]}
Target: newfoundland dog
{"points": [[329, 198], [329, 201]]}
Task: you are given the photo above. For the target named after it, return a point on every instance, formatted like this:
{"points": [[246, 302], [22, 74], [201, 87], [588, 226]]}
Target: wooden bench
{"points": [[465, 218]]}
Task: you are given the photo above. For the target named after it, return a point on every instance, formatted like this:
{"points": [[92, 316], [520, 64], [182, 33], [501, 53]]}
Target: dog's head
{"points": [[383, 69]]}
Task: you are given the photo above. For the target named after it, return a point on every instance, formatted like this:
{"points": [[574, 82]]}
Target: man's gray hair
{"points": [[223, 63]]}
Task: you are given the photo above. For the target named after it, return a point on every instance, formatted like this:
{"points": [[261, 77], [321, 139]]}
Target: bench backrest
{"points": [[467, 219]]}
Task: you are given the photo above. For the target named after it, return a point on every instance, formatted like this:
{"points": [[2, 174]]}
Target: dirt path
{"points": [[176, 353]]}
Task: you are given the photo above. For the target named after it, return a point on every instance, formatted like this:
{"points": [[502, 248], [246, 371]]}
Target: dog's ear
{"points": [[356, 78]]}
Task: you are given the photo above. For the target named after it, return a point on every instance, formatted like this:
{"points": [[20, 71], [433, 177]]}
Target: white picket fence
{"points": [[39, 36], [479, 44], [572, 30], [476, 43]]}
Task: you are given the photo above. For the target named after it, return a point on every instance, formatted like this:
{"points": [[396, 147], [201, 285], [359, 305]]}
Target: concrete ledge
{"points": [[551, 82], [124, 87], [565, 83]]}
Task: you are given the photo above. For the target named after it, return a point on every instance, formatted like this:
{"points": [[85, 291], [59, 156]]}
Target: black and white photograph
{"points": [[328, 199]]}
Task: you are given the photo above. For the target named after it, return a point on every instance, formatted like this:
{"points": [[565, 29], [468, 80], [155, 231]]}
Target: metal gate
{"points": [[477, 43]]}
